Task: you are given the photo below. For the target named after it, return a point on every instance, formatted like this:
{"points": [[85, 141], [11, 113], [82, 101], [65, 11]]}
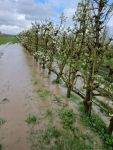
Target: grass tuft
{"points": [[31, 119], [5, 100], [50, 114], [36, 82], [68, 118], [56, 81], [2, 121]]}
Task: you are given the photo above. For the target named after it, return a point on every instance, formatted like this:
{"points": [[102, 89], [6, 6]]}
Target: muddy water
{"points": [[18, 71], [14, 85]]}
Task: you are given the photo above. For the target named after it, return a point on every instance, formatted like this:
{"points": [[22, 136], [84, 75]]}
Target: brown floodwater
{"points": [[18, 72]]}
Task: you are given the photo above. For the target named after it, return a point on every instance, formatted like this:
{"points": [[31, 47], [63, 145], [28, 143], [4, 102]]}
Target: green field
{"points": [[8, 39]]}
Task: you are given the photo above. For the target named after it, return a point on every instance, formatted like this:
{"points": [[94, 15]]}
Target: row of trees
{"points": [[78, 52]]}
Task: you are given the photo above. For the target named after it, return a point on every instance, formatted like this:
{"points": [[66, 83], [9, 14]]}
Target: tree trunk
{"points": [[110, 127], [87, 106], [36, 59], [43, 66], [49, 71], [87, 98], [57, 79], [50, 65], [69, 92]]}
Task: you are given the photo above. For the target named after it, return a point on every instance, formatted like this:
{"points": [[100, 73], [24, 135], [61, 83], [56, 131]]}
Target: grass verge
{"points": [[97, 125], [54, 139], [7, 39]]}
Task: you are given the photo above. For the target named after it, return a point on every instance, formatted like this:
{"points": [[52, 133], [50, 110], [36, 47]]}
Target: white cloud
{"points": [[110, 23], [17, 15], [20, 16], [69, 12], [20, 13], [11, 29]]}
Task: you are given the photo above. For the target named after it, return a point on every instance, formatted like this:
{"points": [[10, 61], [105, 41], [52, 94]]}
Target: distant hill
{"points": [[6, 35]]}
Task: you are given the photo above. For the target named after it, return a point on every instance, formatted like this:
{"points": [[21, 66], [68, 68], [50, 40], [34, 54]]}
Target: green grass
{"points": [[2, 121], [103, 104], [103, 73], [67, 117], [31, 119], [56, 81], [54, 139], [11, 39], [57, 99], [36, 82], [74, 97], [97, 125], [50, 114], [43, 93], [52, 132]]}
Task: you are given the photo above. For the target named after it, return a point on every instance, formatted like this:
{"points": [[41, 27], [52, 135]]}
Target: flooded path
{"points": [[18, 73], [15, 85]]}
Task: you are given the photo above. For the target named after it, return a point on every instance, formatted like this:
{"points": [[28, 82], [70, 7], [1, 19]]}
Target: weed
{"points": [[56, 81], [0, 146], [57, 99], [55, 132], [42, 96], [39, 90], [50, 114], [31, 119], [44, 93], [5, 100], [73, 97], [2, 121], [36, 82], [68, 117], [1, 54], [52, 132]]}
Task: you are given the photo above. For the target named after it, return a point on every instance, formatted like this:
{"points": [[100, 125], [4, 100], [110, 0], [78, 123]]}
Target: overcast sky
{"points": [[17, 15]]}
